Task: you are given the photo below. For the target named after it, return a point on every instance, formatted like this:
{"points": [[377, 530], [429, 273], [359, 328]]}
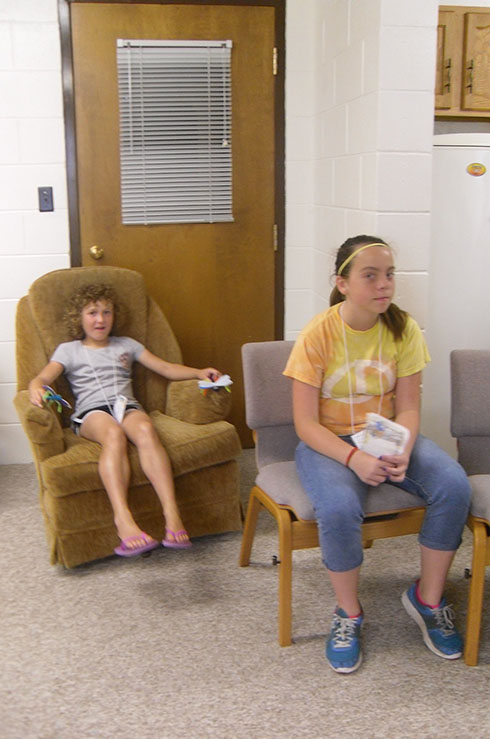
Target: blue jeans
{"points": [[338, 496]]}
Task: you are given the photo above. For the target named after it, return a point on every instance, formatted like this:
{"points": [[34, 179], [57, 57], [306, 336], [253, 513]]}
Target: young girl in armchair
{"points": [[98, 368]]}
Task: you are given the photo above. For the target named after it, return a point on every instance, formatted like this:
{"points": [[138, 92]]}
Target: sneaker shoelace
{"points": [[345, 631], [445, 620]]}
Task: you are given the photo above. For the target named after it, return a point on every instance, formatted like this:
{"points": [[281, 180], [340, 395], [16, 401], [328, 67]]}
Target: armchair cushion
{"points": [[190, 447]]}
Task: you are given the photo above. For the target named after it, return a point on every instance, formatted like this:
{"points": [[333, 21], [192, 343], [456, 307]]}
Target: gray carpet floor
{"points": [[184, 644]]}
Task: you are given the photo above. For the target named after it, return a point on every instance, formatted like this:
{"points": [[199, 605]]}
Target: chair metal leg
{"points": [[475, 599], [253, 510]]}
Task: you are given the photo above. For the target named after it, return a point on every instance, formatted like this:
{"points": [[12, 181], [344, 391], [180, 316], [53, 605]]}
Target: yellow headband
{"points": [[354, 253]]}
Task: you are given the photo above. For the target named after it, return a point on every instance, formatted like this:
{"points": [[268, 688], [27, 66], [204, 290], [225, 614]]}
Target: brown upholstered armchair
{"points": [[201, 445]]}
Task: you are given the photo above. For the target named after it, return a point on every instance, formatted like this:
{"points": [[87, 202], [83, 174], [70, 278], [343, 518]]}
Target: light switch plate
{"points": [[45, 198]]}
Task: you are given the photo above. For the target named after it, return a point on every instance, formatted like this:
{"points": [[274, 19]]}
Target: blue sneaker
{"points": [[343, 649], [436, 624]]}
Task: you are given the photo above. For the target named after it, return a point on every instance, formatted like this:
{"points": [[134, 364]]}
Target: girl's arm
{"points": [[176, 371], [407, 413], [309, 429], [46, 377], [407, 406]]}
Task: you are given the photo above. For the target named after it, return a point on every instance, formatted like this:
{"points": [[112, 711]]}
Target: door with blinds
{"points": [[175, 161]]}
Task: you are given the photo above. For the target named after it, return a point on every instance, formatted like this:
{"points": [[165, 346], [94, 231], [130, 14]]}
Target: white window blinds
{"points": [[175, 131]]}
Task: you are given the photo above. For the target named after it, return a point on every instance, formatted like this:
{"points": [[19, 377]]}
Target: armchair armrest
{"points": [[186, 403], [41, 426]]}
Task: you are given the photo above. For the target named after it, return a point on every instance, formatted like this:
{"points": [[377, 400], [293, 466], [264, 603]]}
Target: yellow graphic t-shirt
{"points": [[319, 359]]}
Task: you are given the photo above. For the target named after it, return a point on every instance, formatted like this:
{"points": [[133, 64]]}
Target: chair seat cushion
{"points": [[280, 481], [190, 447], [480, 500]]}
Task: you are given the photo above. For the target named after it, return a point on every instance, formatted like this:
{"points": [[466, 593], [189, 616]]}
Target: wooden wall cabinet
{"points": [[463, 63]]}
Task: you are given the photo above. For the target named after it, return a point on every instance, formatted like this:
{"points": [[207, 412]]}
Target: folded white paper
{"points": [[222, 381], [381, 437]]}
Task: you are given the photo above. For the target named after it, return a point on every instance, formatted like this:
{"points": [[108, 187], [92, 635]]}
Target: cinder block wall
{"points": [[31, 156], [360, 117]]}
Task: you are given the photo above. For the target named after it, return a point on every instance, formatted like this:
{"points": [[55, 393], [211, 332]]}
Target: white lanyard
{"points": [[347, 369], [98, 378]]}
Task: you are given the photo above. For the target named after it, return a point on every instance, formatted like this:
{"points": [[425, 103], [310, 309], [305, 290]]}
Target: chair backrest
{"points": [[268, 401], [40, 326], [470, 408]]}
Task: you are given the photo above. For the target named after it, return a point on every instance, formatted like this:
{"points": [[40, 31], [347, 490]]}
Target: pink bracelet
{"points": [[349, 456]]}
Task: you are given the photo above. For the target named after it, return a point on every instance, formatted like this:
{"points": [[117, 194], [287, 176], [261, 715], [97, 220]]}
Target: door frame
{"points": [[64, 16]]}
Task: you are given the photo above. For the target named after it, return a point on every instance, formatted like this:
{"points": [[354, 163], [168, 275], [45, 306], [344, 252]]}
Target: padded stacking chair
{"points": [[470, 424], [268, 402]]}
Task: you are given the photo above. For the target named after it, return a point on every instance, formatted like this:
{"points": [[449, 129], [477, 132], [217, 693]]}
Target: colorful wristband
{"points": [[349, 456]]}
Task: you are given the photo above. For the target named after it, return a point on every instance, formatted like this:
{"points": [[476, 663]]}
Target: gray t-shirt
{"points": [[97, 376]]}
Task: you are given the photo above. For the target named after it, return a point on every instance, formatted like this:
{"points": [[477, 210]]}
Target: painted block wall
{"points": [[31, 156], [361, 96]]}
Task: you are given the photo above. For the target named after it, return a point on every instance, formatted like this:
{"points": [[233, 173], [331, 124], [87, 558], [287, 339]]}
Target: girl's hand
{"points": [[36, 395], [210, 373], [47, 376], [371, 470], [397, 464]]}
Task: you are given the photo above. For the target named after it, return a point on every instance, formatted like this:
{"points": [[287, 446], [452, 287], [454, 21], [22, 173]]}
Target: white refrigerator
{"points": [[459, 278]]}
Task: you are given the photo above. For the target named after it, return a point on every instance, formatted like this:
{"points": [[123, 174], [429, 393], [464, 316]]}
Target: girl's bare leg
{"points": [[114, 471], [435, 565], [345, 585], [156, 466]]}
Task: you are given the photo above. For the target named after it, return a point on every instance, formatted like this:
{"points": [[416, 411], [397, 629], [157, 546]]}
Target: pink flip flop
{"points": [[126, 551], [173, 543]]}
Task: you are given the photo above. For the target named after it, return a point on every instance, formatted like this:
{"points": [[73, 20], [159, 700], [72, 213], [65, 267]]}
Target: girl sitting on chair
{"points": [[364, 354]]}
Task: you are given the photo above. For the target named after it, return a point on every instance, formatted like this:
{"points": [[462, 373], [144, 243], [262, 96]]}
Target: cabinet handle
{"points": [[469, 69], [447, 67]]}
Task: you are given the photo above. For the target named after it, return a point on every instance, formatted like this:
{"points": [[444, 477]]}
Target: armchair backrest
{"points": [[268, 401], [470, 408], [40, 326]]}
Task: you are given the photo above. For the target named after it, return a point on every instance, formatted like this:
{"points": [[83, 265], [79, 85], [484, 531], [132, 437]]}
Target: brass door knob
{"points": [[96, 252]]}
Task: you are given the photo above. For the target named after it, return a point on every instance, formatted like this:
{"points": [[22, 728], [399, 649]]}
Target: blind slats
{"points": [[175, 131]]}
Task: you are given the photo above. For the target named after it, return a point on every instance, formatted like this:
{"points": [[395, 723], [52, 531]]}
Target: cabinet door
{"points": [[476, 79], [448, 60]]}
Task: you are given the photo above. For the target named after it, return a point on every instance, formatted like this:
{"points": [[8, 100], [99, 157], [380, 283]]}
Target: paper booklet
{"points": [[381, 436]]}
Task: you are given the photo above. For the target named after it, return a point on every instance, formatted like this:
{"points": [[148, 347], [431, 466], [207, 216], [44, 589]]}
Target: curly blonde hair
{"points": [[83, 296]]}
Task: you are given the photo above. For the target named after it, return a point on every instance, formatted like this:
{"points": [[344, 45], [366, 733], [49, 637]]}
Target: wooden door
{"points": [[214, 282]]}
